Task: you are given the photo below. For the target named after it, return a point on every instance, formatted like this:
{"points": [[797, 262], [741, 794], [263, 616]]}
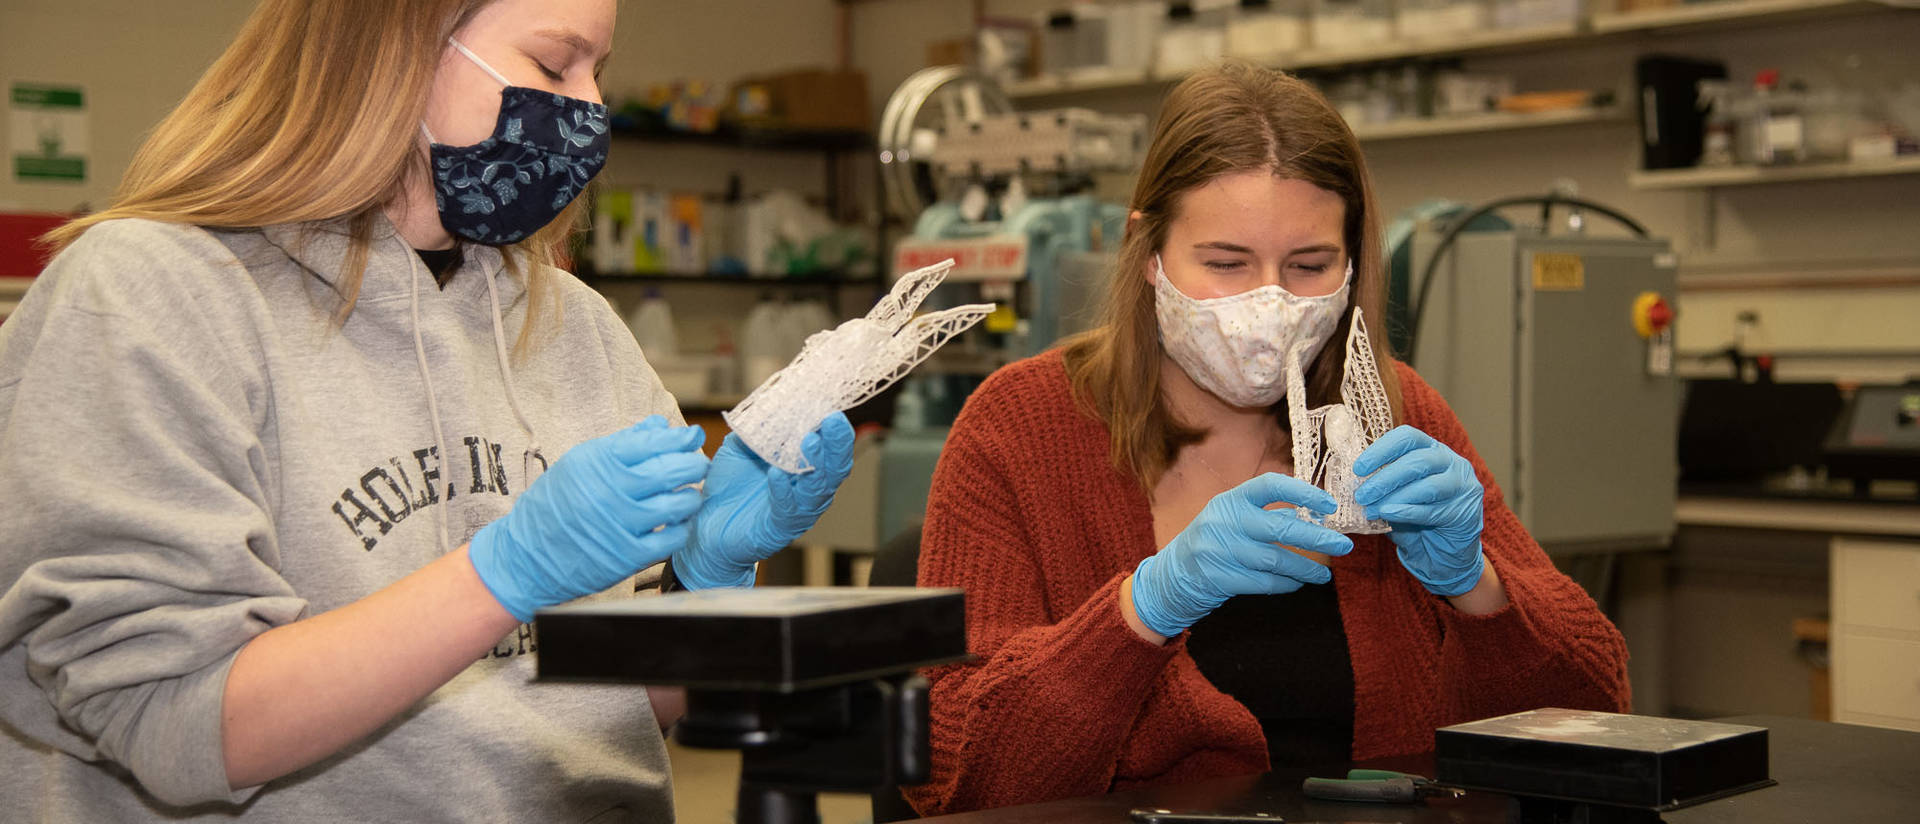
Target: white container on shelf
{"points": [[1458, 93], [1521, 14], [689, 378], [1773, 128], [763, 345], [1091, 25], [652, 325], [1133, 27], [1438, 19], [1214, 14], [1267, 28], [1059, 43], [1187, 44], [1347, 25], [1833, 119], [1383, 98], [1349, 97]]}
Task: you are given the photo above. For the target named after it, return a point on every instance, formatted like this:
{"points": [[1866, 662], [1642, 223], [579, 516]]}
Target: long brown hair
{"points": [[1232, 118], [311, 114]]}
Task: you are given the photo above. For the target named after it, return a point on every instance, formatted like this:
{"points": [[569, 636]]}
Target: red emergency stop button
{"points": [[1651, 314]]}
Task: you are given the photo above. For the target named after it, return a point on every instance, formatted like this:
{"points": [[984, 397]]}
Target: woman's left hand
{"points": [[753, 509], [1429, 495]]}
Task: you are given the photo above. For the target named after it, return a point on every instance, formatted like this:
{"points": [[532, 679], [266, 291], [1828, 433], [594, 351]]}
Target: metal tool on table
{"points": [[1385, 786], [1155, 815]]}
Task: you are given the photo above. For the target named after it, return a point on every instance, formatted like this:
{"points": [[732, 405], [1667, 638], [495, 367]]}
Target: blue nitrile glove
{"points": [[1430, 497], [608, 508], [754, 509], [1229, 550]]}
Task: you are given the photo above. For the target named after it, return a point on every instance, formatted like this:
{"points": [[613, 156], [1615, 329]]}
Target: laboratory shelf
{"points": [[1496, 40], [1598, 27], [1725, 13], [1480, 42], [1490, 122], [1081, 84], [1711, 177], [750, 138]]}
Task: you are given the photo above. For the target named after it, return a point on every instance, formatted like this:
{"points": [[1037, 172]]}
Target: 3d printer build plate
{"points": [[779, 639], [1608, 758]]}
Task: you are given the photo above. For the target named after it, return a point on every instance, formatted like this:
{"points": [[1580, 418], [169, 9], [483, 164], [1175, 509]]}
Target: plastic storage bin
{"points": [[1268, 28], [1346, 25], [1437, 19], [1186, 43]]}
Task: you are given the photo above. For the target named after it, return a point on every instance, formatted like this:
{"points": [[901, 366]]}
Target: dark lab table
{"points": [[1826, 772]]}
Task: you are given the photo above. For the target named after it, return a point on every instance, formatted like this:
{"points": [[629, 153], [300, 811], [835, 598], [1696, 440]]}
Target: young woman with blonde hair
{"points": [[282, 495], [1144, 603]]}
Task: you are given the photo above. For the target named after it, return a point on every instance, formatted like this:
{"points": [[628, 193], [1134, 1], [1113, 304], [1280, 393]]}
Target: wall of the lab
{"points": [[135, 60]]}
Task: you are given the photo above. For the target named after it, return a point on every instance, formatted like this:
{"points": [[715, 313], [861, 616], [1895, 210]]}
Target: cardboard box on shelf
{"points": [[811, 100], [957, 51]]}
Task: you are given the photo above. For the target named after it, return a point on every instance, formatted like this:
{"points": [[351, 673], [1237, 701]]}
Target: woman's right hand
{"points": [[608, 508], [1230, 549]]}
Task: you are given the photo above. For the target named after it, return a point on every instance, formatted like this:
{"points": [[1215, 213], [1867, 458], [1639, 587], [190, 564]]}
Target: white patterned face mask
{"points": [[1236, 347], [1327, 440]]}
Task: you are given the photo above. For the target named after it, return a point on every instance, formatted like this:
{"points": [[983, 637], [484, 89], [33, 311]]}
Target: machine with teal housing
{"points": [[1043, 264], [1010, 197]]}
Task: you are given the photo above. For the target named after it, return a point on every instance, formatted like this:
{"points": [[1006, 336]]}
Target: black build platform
{"points": [[1602, 758], [767, 639]]}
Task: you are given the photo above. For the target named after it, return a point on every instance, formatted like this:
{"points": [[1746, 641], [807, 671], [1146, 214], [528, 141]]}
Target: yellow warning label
{"points": [[1559, 272], [1002, 319]]}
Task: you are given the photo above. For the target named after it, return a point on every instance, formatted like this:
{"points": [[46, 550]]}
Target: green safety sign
{"points": [[48, 126]]}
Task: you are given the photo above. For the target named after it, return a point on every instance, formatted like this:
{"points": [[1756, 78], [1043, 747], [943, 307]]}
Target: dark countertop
{"points": [[1880, 493], [1826, 772]]}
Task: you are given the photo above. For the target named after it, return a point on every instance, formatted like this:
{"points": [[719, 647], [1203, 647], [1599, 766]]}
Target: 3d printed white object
{"points": [[1327, 440], [842, 367]]}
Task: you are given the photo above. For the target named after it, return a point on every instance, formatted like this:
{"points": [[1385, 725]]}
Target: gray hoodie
{"points": [[193, 452]]}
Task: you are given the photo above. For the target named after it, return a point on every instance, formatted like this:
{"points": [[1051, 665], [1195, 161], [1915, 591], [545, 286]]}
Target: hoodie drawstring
{"points": [[433, 404], [506, 374]]}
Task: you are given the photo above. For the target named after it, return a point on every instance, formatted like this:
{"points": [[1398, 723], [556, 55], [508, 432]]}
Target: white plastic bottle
{"points": [[762, 348], [652, 325]]}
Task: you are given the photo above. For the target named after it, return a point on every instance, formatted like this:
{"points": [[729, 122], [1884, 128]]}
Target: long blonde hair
{"points": [[1235, 117], [311, 114]]}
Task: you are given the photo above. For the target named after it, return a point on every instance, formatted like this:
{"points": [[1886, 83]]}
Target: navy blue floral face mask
{"points": [[544, 149]]}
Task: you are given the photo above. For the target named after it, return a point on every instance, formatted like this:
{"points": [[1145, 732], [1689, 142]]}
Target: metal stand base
{"points": [[769, 805]]}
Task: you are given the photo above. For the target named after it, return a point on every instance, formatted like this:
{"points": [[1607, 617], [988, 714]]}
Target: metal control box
{"points": [[1531, 339]]}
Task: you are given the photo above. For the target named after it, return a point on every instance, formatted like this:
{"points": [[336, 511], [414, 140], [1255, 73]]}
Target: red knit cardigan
{"points": [[1028, 515]]}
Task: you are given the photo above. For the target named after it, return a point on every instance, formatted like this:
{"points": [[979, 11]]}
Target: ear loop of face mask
{"points": [[504, 82]]}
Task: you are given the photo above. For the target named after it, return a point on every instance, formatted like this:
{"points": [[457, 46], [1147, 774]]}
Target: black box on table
{"points": [[1603, 758]]}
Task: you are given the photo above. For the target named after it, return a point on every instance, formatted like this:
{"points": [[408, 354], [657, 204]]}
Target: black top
{"points": [[440, 262], [1285, 658]]}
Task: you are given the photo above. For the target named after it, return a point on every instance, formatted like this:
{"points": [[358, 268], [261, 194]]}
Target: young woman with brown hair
{"points": [[1144, 603], [281, 496]]}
